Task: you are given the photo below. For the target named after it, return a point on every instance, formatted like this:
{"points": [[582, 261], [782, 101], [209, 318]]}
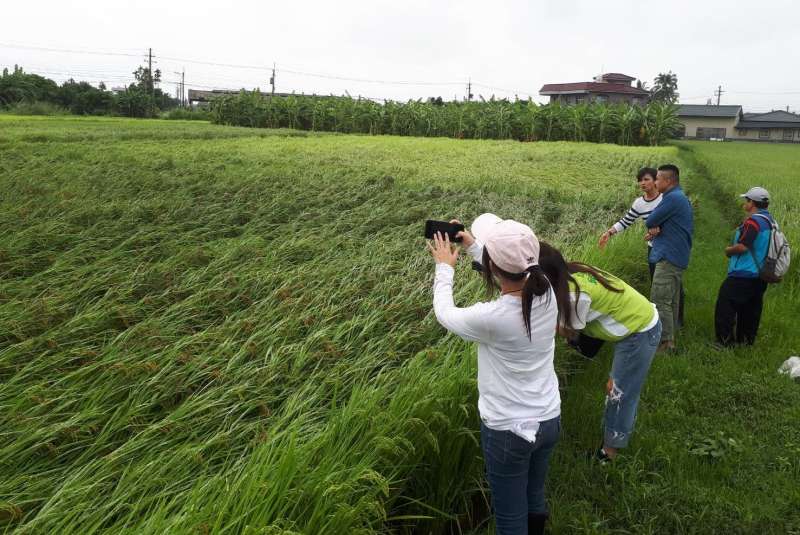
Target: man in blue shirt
{"points": [[741, 296], [670, 227]]}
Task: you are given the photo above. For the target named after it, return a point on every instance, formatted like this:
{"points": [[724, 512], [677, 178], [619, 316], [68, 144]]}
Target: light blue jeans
{"points": [[632, 358]]}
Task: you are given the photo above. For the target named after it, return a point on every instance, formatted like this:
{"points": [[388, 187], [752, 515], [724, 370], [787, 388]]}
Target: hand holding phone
{"points": [[445, 228]]}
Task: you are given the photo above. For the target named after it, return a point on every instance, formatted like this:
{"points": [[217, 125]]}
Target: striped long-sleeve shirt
{"points": [[641, 208]]}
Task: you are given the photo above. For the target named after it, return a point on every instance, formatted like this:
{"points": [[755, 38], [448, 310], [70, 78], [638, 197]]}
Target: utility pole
{"points": [[469, 89], [719, 93], [152, 81], [181, 86], [272, 80]]}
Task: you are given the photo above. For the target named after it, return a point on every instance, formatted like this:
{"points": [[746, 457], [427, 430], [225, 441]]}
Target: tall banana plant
{"points": [[661, 122], [492, 119]]}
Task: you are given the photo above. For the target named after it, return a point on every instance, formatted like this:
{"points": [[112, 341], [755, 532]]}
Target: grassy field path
{"points": [[717, 448]]}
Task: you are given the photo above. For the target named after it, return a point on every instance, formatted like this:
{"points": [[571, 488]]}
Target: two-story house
{"points": [[611, 87]]}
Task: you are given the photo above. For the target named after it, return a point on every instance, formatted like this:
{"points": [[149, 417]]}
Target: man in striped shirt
{"points": [[642, 206]]}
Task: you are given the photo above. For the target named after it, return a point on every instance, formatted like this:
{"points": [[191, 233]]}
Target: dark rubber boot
{"points": [[536, 523]]}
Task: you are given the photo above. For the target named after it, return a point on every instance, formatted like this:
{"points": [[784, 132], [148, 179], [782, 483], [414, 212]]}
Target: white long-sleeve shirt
{"points": [[517, 382]]}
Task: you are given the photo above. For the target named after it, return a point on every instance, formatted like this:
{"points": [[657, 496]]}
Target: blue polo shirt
{"points": [[674, 216]]}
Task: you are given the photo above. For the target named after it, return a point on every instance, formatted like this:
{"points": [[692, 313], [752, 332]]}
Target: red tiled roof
{"points": [[594, 87], [617, 76]]}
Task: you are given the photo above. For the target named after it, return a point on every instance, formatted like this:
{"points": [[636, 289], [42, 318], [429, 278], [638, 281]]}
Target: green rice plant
{"points": [[201, 331], [195, 337]]}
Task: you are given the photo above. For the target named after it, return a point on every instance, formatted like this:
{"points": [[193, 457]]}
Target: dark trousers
{"points": [[652, 267], [738, 310], [516, 470]]}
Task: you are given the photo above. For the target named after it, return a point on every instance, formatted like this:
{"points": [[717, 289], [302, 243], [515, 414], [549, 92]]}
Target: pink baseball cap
{"points": [[511, 245]]}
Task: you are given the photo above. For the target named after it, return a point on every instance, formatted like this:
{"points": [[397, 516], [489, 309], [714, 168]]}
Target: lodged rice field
{"points": [[210, 329]]}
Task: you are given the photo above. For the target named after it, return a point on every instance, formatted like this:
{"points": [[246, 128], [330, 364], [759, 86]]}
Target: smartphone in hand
{"points": [[451, 229]]}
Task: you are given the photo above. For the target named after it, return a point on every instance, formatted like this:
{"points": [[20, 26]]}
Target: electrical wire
{"points": [[327, 76], [66, 50]]}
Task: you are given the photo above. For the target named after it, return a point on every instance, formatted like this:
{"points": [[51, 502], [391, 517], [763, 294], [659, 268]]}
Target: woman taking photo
{"points": [[602, 306], [519, 402]]}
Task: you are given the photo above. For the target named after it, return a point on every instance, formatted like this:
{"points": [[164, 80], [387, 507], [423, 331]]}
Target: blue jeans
{"points": [[632, 358], [516, 470]]}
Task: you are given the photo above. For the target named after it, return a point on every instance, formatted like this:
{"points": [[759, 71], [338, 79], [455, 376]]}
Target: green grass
{"points": [[229, 330], [739, 166]]}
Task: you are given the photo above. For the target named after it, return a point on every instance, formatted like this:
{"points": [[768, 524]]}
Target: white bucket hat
{"points": [[512, 246]]}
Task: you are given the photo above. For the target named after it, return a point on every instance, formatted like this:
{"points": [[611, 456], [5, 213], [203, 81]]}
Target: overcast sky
{"points": [[750, 48]]}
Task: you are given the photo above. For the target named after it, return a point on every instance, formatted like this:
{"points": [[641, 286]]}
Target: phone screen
{"points": [[451, 229]]}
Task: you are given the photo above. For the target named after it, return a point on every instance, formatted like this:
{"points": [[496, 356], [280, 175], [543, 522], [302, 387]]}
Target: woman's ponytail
{"points": [[535, 285], [557, 270]]}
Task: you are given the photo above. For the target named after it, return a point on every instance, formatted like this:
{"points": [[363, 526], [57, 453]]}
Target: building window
{"points": [[742, 131], [763, 133], [788, 134], [580, 99], [602, 99], [708, 133]]}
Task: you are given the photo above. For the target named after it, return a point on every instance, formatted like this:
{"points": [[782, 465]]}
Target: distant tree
{"points": [[640, 84], [145, 84], [19, 86], [140, 99], [665, 88], [82, 98], [144, 80], [133, 102]]}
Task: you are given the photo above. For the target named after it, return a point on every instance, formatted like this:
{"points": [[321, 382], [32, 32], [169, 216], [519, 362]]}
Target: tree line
{"points": [[139, 99], [522, 120]]}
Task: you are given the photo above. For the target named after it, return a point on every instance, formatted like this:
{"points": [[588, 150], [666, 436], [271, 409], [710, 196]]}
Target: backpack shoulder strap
{"points": [[772, 223]]}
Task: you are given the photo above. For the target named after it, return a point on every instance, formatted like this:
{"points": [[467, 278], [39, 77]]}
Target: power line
{"points": [[512, 91], [79, 73], [74, 74], [264, 68], [787, 92], [66, 50], [368, 81], [241, 66]]}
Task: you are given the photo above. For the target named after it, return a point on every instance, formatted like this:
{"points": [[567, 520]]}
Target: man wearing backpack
{"points": [[740, 299]]}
